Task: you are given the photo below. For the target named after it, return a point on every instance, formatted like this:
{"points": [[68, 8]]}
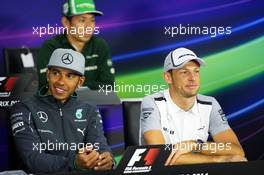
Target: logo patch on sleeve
{"points": [[18, 127], [222, 114], [147, 112]]}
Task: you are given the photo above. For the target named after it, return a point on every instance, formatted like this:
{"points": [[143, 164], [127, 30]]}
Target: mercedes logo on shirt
{"points": [[42, 116], [67, 58]]}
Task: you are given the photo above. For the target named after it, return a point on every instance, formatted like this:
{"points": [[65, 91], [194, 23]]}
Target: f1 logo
{"points": [[136, 156], [149, 157], [9, 84]]}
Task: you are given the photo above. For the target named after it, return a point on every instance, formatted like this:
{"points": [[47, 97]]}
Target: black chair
{"points": [[14, 63], [131, 119]]}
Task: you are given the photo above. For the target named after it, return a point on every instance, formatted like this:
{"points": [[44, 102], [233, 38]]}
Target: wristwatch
{"points": [[199, 146]]}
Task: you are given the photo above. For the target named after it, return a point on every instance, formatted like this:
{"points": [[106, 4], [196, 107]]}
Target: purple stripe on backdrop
{"points": [[29, 34], [115, 128], [252, 134], [248, 122], [194, 12]]}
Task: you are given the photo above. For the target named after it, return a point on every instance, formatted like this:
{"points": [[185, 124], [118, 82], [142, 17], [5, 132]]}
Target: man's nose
{"points": [[191, 76], [61, 80]]}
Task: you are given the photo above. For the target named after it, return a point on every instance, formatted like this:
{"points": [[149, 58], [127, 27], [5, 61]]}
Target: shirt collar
{"points": [[193, 110], [171, 102], [65, 40]]}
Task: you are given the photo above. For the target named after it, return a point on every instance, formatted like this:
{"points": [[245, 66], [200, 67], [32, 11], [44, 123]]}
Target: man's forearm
{"points": [[213, 148], [48, 163], [196, 158]]}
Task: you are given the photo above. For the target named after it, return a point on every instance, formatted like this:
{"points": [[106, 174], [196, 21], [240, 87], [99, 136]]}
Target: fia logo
{"points": [[149, 159], [78, 113]]}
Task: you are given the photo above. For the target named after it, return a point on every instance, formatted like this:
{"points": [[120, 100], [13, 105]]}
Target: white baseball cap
{"points": [[179, 57]]}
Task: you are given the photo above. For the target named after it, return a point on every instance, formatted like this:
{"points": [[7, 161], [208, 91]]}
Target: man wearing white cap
{"points": [[181, 116], [53, 130]]}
